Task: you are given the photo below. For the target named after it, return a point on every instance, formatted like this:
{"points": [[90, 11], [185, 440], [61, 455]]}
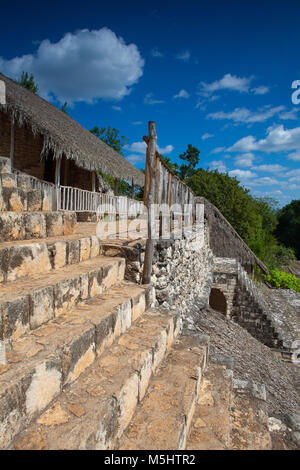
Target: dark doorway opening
{"points": [[217, 301]]}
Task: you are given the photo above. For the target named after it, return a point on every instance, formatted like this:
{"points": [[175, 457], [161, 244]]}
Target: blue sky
{"points": [[214, 74]]}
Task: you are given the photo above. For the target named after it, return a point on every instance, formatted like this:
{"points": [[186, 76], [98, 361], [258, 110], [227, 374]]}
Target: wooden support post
{"points": [[132, 188], [116, 186], [12, 144], [94, 181], [57, 172], [149, 198]]}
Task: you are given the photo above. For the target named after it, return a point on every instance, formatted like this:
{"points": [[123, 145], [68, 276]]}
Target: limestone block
{"points": [[35, 226], [15, 317], [15, 199], [23, 182], [73, 251], [106, 332], [54, 224], [85, 248], [58, 254], [66, 295], [11, 227], [8, 180], [42, 306], [95, 246], [79, 355], [3, 204], [84, 286], [138, 306], [26, 260], [47, 201], [4, 257], [34, 200], [5, 165], [95, 283], [69, 223]]}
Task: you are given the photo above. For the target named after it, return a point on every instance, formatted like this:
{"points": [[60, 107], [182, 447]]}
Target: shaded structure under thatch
{"points": [[35, 134]]}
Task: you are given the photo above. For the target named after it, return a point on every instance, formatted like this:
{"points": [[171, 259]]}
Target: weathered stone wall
{"points": [[246, 304]]}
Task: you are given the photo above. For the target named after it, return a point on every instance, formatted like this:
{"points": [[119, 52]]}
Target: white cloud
{"points": [[295, 156], [136, 159], [207, 136], [228, 82], [165, 150], [246, 116], [141, 147], [117, 108], [150, 100], [218, 165], [260, 90], [278, 139], [185, 56], [289, 115], [265, 181], [244, 160], [182, 94], [269, 168], [294, 176], [218, 150], [82, 66], [137, 123], [155, 52], [242, 174]]}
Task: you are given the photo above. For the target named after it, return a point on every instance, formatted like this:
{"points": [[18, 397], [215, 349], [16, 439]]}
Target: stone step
{"points": [[24, 226], [211, 425], [15, 199], [28, 303], [249, 418], [94, 410], [21, 259], [45, 360], [163, 419]]}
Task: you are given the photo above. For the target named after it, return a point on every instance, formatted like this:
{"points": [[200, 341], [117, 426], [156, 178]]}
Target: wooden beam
{"points": [[149, 198], [94, 181], [57, 172]]}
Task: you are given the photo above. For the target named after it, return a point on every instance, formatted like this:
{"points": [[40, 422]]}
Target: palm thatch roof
{"points": [[63, 135]]}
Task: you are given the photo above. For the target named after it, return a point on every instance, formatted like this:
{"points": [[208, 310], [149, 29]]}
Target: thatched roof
{"points": [[225, 242], [63, 135]]}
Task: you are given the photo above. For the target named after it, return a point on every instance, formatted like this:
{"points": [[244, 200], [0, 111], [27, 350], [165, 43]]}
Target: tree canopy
{"points": [[288, 229], [27, 81], [111, 137]]}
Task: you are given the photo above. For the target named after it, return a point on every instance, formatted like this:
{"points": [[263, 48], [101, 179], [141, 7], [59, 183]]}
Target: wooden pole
{"points": [[132, 188], [12, 144], [116, 186], [57, 172], [94, 181], [149, 198]]}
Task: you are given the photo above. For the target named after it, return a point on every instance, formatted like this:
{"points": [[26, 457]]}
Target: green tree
{"points": [[191, 156], [28, 82], [64, 108], [173, 166], [111, 137], [288, 229]]}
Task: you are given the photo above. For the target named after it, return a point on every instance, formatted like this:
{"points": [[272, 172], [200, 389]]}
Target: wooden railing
{"points": [[80, 200], [68, 198]]}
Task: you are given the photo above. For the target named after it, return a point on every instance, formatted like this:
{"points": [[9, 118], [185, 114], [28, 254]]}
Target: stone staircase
{"points": [[91, 362]]}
